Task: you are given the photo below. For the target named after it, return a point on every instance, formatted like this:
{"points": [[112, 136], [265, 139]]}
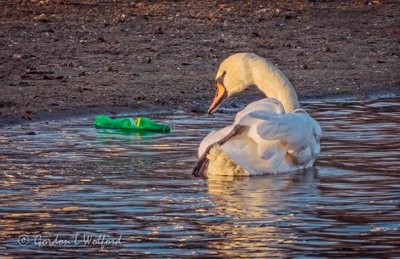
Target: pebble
{"points": [[16, 56], [41, 18]]}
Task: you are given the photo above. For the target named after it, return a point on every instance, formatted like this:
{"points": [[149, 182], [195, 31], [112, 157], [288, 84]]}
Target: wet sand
{"points": [[80, 57]]}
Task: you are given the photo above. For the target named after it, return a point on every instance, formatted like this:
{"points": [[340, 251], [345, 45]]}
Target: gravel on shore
{"points": [[80, 56]]}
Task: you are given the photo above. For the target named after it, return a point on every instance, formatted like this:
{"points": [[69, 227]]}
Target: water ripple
{"points": [[70, 180]]}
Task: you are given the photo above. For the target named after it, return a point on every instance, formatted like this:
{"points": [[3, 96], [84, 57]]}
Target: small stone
{"points": [[196, 109], [41, 18], [26, 115], [159, 31], [16, 56], [23, 84]]}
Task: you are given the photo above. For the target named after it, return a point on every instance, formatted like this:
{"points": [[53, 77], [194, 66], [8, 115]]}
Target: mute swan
{"points": [[271, 135]]}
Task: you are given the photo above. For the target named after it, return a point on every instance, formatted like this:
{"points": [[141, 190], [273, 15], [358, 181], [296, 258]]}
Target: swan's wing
{"points": [[213, 137], [285, 126], [266, 105], [297, 131], [273, 126]]}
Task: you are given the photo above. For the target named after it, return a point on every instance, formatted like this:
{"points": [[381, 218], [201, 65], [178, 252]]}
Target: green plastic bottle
{"points": [[138, 124]]}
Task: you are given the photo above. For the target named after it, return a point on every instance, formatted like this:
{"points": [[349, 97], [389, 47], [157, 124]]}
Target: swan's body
{"points": [[278, 136]]}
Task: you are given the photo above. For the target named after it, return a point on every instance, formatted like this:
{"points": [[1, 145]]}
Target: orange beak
{"points": [[220, 96]]}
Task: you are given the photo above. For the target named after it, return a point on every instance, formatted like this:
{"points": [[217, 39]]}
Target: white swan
{"points": [[271, 135]]}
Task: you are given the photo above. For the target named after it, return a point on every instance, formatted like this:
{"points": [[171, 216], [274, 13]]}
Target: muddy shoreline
{"points": [[64, 58]]}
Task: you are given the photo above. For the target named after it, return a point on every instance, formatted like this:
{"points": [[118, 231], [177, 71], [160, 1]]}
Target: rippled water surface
{"points": [[70, 182]]}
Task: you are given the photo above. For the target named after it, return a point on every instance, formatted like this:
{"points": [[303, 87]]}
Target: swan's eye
{"points": [[220, 80]]}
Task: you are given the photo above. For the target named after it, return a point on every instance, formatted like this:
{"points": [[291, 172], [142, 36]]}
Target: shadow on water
{"points": [[70, 180]]}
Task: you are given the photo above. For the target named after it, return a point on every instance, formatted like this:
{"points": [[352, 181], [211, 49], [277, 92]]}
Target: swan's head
{"points": [[233, 76]]}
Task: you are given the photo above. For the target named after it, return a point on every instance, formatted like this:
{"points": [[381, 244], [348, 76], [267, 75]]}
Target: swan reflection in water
{"points": [[259, 216]]}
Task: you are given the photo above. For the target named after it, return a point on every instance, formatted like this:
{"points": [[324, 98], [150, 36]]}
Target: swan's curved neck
{"points": [[274, 84]]}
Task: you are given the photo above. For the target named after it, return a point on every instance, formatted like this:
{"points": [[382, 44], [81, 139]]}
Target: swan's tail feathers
{"points": [[221, 164]]}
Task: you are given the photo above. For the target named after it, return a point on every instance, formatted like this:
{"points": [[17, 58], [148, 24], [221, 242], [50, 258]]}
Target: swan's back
{"points": [[274, 141]]}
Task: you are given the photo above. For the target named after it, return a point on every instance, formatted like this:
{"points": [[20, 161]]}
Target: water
{"points": [[69, 182]]}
